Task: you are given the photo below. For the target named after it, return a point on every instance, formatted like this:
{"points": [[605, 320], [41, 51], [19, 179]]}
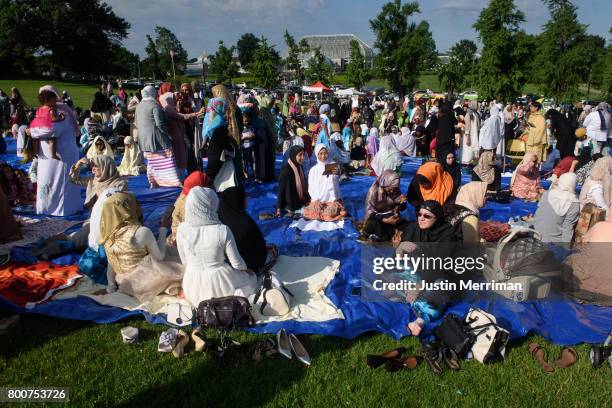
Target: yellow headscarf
{"points": [[93, 152], [118, 210]]}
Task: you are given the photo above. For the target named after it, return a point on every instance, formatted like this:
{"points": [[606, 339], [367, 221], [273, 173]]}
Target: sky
{"points": [[200, 24]]}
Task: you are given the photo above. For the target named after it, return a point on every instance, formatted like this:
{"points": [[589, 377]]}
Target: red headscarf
{"points": [[164, 88], [563, 166], [196, 179]]}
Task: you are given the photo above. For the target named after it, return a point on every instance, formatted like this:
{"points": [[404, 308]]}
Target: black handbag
{"points": [[454, 335], [226, 313]]}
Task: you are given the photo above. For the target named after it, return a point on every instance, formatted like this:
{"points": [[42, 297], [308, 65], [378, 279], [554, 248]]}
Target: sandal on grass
{"points": [[537, 352], [198, 340], [567, 357], [182, 340]]}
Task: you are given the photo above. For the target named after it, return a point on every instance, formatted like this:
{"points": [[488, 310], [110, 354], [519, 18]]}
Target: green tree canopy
{"points": [[166, 41], [294, 50], [607, 73], [246, 46], [564, 56], [458, 73], [319, 69], [500, 71], [264, 65], [405, 49], [357, 71], [78, 35], [222, 63], [151, 63]]}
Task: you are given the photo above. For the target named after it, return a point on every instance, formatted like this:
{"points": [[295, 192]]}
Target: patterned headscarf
{"points": [[215, 116], [201, 207]]}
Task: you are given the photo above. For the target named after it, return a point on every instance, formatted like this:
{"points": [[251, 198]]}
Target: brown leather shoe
{"points": [[376, 360], [405, 363]]}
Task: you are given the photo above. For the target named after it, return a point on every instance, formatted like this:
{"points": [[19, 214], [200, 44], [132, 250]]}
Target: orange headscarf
{"points": [[164, 88], [441, 182]]}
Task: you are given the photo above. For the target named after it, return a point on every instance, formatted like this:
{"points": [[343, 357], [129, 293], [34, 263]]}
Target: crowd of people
{"points": [[208, 246]]}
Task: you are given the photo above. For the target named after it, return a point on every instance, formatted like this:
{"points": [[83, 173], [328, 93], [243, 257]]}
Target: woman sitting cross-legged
{"points": [[463, 213], [384, 202], [324, 189], [250, 241], [430, 236], [558, 211], [137, 263], [131, 164], [487, 171], [292, 188], [204, 243], [195, 179], [525, 182]]}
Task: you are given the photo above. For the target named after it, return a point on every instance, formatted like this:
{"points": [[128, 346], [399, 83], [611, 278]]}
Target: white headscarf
{"points": [[405, 141], [322, 188], [93, 151], [490, 134], [148, 93], [388, 156], [50, 88], [563, 194], [201, 207]]}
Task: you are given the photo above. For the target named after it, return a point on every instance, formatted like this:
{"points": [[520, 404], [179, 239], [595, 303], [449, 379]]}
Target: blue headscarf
{"points": [[215, 117]]}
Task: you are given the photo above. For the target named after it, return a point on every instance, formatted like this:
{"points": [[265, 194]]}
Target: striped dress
{"points": [[161, 169]]}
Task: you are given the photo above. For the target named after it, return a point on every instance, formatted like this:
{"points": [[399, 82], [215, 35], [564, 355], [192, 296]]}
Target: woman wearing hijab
{"points": [[131, 163], [383, 204], [326, 129], [563, 132], [175, 124], [292, 188], [487, 171], [431, 182], [490, 134], [535, 137], [55, 195], [597, 189], [136, 264], [558, 211], [358, 154], [249, 239], [221, 149], [195, 179], [324, 190], [100, 147], [204, 243], [454, 169], [388, 156], [565, 165], [418, 237], [372, 145], [463, 214], [598, 124], [105, 175], [265, 143], [445, 140], [232, 114], [154, 141], [470, 141], [525, 182], [405, 142]]}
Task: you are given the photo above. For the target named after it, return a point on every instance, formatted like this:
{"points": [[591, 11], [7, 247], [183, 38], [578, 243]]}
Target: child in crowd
{"points": [[248, 146], [46, 115]]}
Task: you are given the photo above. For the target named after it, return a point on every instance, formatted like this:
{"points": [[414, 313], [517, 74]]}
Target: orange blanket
{"points": [[27, 285]]}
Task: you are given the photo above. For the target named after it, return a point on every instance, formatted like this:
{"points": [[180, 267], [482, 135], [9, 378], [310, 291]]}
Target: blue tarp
{"points": [[559, 320]]}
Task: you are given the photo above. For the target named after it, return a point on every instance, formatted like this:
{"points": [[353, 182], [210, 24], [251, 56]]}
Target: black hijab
{"points": [[249, 239], [563, 132], [441, 231], [455, 171]]}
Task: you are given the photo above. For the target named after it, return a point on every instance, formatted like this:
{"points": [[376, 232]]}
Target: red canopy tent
{"points": [[318, 87]]}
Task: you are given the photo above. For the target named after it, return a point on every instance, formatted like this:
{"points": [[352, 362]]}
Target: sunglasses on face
{"points": [[426, 216]]}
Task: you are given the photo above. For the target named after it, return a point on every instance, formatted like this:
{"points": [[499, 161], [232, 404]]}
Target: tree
{"points": [[294, 50], [246, 46], [595, 64], [151, 63], [165, 42], [77, 35], [319, 69], [500, 73], [458, 72], [405, 48], [264, 65], [222, 63], [607, 73], [563, 52], [357, 71], [123, 63]]}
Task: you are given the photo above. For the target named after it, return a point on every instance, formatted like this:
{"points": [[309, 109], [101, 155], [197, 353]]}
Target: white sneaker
{"points": [[167, 341]]}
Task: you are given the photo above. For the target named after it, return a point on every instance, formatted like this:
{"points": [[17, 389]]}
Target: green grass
{"points": [[82, 94], [102, 371]]}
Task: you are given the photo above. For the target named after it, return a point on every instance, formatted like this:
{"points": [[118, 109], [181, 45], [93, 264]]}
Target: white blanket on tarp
{"points": [[305, 277], [316, 225]]}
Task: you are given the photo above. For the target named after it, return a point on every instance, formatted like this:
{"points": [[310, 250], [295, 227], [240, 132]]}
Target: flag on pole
{"points": [[171, 53]]}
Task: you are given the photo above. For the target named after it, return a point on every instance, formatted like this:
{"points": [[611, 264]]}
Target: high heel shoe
{"points": [[376, 360], [299, 350], [182, 341], [284, 345]]}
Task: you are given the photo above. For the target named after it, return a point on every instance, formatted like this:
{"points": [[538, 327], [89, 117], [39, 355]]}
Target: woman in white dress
{"points": [[203, 243], [469, 142]]}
